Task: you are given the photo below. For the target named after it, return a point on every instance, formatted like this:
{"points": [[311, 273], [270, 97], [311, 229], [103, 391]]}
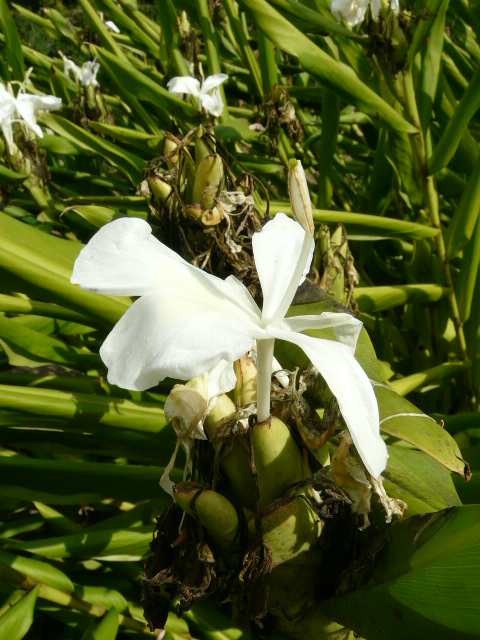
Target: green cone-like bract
{"points": [[278, 461], [215, 513]]}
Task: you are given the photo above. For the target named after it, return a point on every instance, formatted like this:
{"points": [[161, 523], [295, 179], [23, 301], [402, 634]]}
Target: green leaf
{"points": [[15, 623], [105, 629], [451, 136], [109, 544], [12, 39], [468, 276], [129, 163], [374, 299], [39, 571], [401, 419], [405, 385], [462, 224], [115, 412], [422, 482], [365, 224], [66, 482], [424, 582], [28, 252], [23, 342], [125, 74], [337, 76]]}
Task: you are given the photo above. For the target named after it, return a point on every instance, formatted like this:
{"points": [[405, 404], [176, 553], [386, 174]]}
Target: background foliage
{"points": [[80, 460]]}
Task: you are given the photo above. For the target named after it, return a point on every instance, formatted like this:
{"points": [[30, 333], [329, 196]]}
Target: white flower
{"points": [[86, 75], [186, 321], [109, 23], [23, 109], [207, 93], [354, 11]]}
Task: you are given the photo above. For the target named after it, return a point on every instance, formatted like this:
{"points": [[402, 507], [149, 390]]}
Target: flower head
{"points": [[86, 75], [207, 93], [23, 109], [354, 11], [186, 321]]}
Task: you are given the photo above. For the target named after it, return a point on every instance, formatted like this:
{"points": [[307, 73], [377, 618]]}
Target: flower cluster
{"points": [[187, 321], [22, 108]]}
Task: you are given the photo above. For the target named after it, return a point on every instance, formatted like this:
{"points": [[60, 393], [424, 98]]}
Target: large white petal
{"points": [[123, 258], [184, 84], [277, 249], [26, 108], [346, 327], [350, 385], [177, 334], [213, 81]]}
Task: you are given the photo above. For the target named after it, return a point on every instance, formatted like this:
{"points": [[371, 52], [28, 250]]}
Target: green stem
{"points": [[417, 142], [264, 377]]}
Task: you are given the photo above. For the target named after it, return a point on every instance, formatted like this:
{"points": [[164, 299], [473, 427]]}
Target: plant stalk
{"points": [[417, 142]]}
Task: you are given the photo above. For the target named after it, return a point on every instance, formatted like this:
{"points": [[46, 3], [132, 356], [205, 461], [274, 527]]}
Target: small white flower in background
{"points": [[112, 26], [86, 75], [109, 23], [187, 321], [354, 11], [207, 93], [188, 405], [22, 108]]}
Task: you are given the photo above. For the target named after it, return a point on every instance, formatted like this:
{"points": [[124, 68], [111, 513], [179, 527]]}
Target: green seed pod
{"points": [[235, 459], [208, 181], [291, 529], [202, 148], [215, 513], [278, 460], [171, 143]]}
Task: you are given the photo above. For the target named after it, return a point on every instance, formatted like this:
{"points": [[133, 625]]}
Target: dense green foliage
{"points": [[384, 119]]}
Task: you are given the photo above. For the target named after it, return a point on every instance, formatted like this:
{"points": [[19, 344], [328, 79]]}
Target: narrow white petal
{"points": [[184, 84], [25, 107], [350, 385], [174, 334], [277, 249], [212, 103], [213, 81], [112, 26], [346, 327]]}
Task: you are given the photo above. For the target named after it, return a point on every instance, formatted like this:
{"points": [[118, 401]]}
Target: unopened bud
{"points": [[299, 196]]}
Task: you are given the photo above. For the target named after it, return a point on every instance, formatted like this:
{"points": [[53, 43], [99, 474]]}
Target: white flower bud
{"points": [[299, 196]]}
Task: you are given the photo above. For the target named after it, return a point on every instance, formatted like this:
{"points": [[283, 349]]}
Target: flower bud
{"points": [[299, 196]]}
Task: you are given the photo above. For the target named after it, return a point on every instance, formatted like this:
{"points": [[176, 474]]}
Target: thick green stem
{"points": [[264, 376], [417, 142]]}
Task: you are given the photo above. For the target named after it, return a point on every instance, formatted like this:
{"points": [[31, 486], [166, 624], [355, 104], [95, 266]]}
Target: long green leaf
{"points": [[452, 135], [15, 623]]}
